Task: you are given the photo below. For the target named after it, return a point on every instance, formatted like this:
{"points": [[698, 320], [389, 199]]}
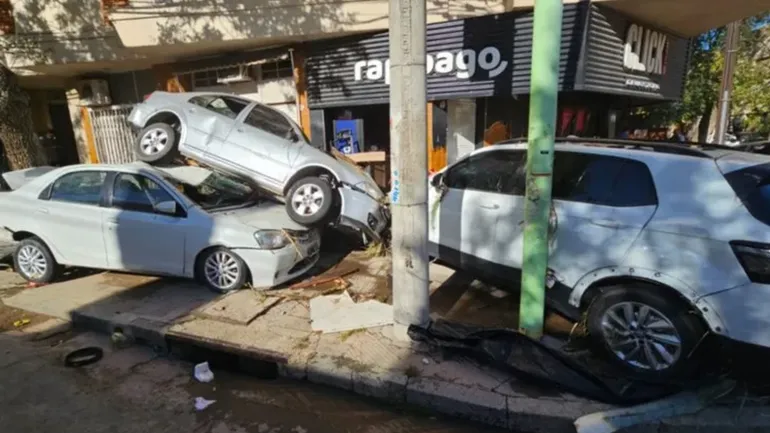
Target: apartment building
{"points": [[84, 62]]}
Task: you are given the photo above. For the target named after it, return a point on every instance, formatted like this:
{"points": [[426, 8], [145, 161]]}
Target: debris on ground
{"points": [[20, 323], [203, 373], [201, 403], [323, 279], [83, 357], [339, 313], [685, 403]]}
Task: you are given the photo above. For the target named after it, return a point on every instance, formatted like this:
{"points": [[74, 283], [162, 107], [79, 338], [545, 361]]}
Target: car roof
{"points": [[729, 159]]}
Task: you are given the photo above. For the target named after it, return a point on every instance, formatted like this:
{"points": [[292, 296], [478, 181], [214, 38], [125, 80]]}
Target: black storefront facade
{"points": [[480, 68]]}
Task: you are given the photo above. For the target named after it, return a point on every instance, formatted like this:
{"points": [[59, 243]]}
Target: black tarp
{"points": [[579, 372]]}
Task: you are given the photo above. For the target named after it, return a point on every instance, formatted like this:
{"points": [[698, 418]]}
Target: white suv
{"points": [[656, 244]]}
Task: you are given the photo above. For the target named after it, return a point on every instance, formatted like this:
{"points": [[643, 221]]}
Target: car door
{"points": [[463, 222], [602, 203], [264, 145], [137, 238], [70, 218], [209, 119]]}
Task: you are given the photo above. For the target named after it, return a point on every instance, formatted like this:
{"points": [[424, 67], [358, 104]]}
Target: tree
{"points": [[17, 133]]}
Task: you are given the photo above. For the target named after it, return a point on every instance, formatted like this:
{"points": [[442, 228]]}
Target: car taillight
{"points": [[755, 259]]}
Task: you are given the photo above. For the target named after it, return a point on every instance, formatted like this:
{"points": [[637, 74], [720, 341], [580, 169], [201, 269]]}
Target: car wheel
{"points": [[310, 201], [648, 332], [156, 143], [33, 260], [221, 270]]}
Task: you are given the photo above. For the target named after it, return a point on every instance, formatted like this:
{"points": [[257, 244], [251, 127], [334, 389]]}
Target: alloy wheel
{"points": [[307, 200], [32, 262], [154, 141], [222, 270], [641, 336]]}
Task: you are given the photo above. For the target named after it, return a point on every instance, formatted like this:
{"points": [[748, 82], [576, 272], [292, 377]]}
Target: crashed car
{"points": [[250, 139], [182, 221], [653, 245]]}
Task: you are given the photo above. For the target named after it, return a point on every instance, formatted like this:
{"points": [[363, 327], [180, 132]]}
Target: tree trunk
{"points": [[17, 133]]}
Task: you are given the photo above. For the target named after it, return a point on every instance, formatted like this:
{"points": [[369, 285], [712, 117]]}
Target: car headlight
{"points": [[271, 239]]}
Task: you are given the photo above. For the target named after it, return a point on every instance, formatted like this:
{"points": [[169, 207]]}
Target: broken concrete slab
{"points": [[338, 313], [241, 307]]}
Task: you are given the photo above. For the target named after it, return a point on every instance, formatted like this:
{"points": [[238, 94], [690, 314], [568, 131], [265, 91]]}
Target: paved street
{"points": [[134, 390]]}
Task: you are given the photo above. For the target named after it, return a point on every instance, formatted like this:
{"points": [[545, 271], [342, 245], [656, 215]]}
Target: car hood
{"points": [[266, 215]]}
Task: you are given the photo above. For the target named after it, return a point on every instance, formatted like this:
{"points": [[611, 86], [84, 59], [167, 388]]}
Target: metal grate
{"points": [[113, 135]]}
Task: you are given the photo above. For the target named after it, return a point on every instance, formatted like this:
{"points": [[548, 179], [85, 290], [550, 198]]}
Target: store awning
{"points": [[688, 18]]}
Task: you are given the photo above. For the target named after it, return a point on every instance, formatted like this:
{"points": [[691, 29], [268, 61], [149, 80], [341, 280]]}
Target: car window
{"points": [[80, 187], [602, 180], [224, 105], [495, 171], [752, 186], [269, 120], [137, 193]]}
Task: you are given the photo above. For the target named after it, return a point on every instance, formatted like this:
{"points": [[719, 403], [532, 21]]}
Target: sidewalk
{"points": [[368, 362]]}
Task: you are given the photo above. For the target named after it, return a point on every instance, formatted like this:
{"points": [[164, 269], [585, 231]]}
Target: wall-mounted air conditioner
{"points": [[94, 92], [241, 76]]}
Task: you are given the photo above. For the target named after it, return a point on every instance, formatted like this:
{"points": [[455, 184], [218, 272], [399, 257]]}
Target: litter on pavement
{"points": [[203, 373], [201, 403], [339, 313]]}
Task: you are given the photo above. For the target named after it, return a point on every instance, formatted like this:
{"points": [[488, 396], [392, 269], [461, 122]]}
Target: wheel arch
{"points": [[309, 170], [203, 251], [592, 284], [21, 235], [169, 117]]}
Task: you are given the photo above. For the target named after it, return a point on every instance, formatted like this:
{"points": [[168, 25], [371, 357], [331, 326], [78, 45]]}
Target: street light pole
{"points": [[732, 39], [409, 163], [546, 46]]}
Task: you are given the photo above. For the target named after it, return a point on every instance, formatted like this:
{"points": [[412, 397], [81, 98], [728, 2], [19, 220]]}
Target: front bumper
{"points": [[363, 213], [742, 313], [270, 268]]}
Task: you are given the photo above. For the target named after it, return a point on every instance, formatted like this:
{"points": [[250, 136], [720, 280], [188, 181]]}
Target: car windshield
{"points": [[217, 191]]}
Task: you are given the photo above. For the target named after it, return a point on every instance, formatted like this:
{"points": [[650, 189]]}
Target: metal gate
{"points": [[113, 136]]}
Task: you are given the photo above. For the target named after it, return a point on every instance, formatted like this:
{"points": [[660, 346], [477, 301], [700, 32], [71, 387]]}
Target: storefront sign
{"points": [[645, 50], [463, 64]]}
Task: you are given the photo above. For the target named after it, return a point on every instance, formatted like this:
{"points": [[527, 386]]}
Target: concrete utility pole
{"points": [[546, 47], [409, 163], [732, 39]]}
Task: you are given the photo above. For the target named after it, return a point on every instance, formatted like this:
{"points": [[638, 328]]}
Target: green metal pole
{"points": [[546, 45]]}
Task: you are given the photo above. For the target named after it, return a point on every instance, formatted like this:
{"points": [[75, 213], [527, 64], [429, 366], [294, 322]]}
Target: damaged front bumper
{"points": [[363, 213]]}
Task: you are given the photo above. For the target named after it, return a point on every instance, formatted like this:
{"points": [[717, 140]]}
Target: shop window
{"points": [[209, 77], [276, 70]]}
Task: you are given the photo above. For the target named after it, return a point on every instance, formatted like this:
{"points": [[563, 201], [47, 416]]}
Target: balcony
{"points": [[145, 25], [61, 37]]}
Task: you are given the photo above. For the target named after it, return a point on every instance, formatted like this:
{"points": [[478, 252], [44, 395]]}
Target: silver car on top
{"points": [[246, 138]]}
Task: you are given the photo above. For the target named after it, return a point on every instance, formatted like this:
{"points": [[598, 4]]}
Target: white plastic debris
{"points": [[203, 373], [201, 403], [426, 361]]}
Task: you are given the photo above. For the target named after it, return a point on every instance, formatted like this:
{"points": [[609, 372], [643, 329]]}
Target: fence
{"points": [[113, 136]]}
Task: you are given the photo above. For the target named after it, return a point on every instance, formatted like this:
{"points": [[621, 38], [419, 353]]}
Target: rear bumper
{"points": [[741, 312]]}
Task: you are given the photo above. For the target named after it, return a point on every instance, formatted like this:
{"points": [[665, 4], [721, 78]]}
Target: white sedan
{"points": [[182, 221]]}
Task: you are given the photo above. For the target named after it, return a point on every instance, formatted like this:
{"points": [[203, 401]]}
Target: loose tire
{"points": [[34, 262], [650, 333], [221, 270], [310, 201], [156, 143]]}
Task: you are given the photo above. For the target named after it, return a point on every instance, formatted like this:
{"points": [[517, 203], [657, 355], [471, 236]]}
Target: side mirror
{"points": [[166, 207], [438, 180], [292, 136]]}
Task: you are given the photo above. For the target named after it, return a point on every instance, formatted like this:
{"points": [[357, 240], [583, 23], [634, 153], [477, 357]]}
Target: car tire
{"points": [[677, 331], [209, 271], [156, 143], [310, 201], [34, 262]]}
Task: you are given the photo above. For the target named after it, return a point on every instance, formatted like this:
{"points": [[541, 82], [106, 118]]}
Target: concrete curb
{"points": [[521, 414]]}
